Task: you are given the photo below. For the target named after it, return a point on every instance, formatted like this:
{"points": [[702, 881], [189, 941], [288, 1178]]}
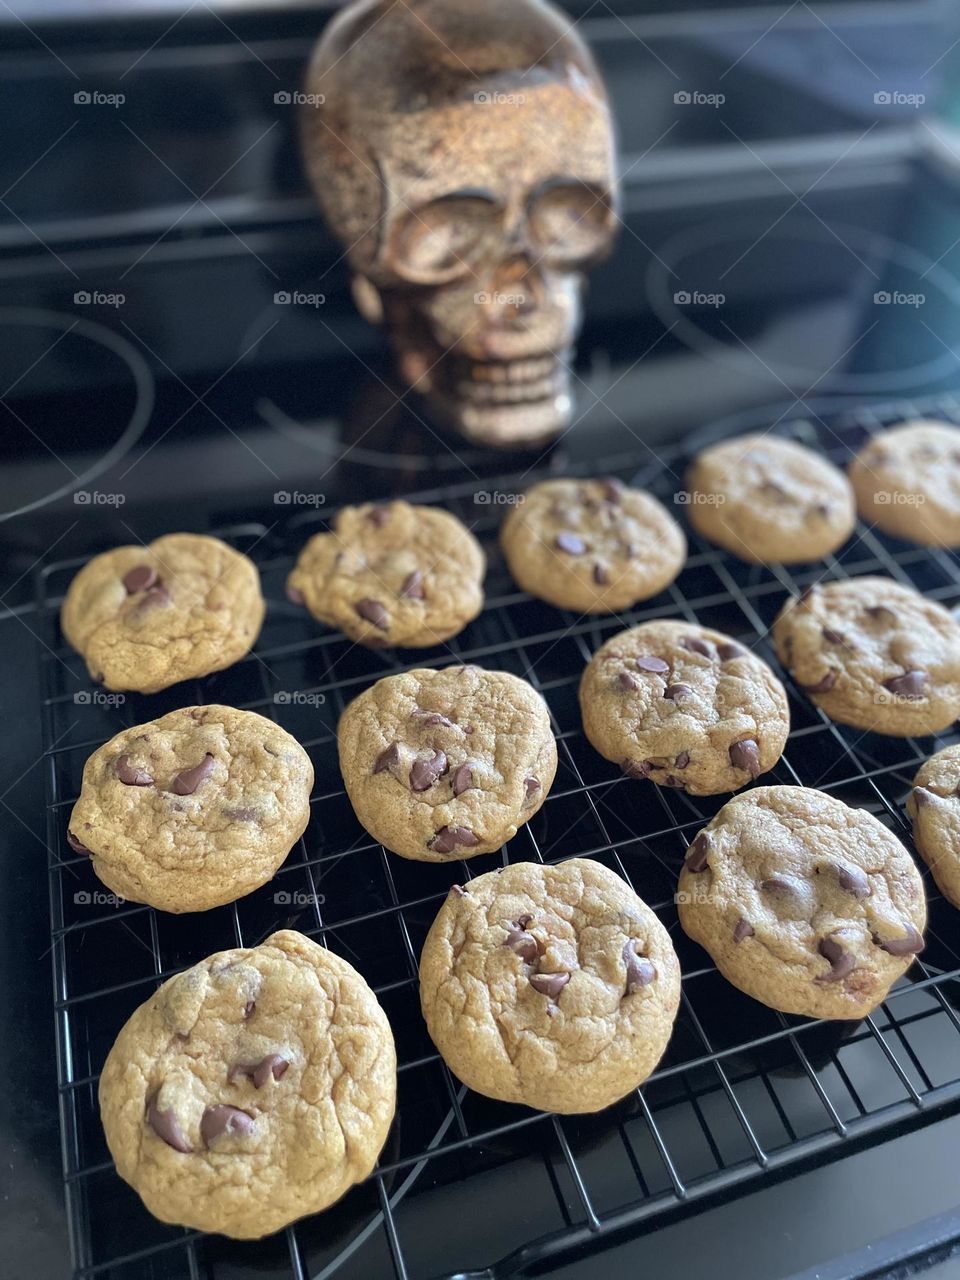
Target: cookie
{"points": [[192, 810], [807, 905], [685, 707], [551, 986], [593, 546], [873, 654], [907, 482], [934, 808], [148, 617], [441, 765], [769, 500], [252, 1089], [392, 575]]}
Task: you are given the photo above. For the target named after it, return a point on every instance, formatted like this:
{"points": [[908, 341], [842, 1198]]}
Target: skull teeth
{"points": [[507, 381]]}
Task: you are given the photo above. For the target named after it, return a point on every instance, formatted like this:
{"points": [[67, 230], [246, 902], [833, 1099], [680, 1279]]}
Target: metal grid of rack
{"points": [[741, 1090]]}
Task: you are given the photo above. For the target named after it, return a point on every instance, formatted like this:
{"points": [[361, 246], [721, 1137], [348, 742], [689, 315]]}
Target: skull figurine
{"points": [[462, 151]]}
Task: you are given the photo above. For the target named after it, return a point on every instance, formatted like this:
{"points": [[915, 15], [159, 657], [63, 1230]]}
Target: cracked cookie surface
{"points": [[392, 574], [907, 482], [252, 1089], [147, 617], [769, 500], [192, 810], [873, 654], [684, 706], [594, 546], [805, 904], [441, 765], [551, 986], [934, 808]]}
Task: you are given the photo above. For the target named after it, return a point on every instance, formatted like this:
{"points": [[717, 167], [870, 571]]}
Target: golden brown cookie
{"points": [[392, 574], [805, 904], [593, 546], [684, 706], [552, 986], [252, 1089], [873, 654], [770, 500], [147, 617], [934, 807], [441, 765], [907, 482], [192, 810]]}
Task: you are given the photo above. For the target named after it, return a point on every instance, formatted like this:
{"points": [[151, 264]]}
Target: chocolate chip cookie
{"points": [[907, 482], [446, 764], [147, 617], [192, 810], [552, 986], [934, 807], [252, 1089], [392, 574], [873, 654], [805, 904], [593, 546], [685, 707], [769, 500]]}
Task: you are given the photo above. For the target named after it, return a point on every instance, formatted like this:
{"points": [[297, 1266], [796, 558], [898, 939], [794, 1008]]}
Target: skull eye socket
{"points": [[571, 223], [444, 240]]}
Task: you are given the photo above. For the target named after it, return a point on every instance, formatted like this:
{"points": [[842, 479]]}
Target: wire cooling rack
{"points": [[466, 1185]]}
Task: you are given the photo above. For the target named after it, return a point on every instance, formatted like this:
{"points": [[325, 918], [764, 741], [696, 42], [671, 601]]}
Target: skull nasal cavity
{"points": [[517, 286]]}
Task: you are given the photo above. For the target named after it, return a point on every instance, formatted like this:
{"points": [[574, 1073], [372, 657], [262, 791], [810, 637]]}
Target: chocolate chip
{"points": [[249, 1009], [920, 795], [682, 760], [132, 775], [823, 509], [378, 515], [448, 838], [166, 1126], [745, 754], [823, 685], [693, 644], [910, 944], [241, 815], [570, 543], [778, 884], [727, 652], [600, 575], [522, 920], [223, 1119], [911, 685], [677, 692], [294, 595], [834, 637], [458, 891], [612, 488], [388, 759], [881, 613], [259, 1072], [627, 682], [139, 578], [156, 596], [463, 779], [841, 962], [187, 780], [521, 942], [413, 586], [549, 984], [424, 773], [434, 718], [640, 971], [656, 665], [532, 787], [636, 768], [76, 846], [374, 612], [852, 879], [743, 930], [696, 857]]}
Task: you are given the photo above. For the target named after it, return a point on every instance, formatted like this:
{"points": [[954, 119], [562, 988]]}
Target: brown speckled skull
{"points": [[463, 154]]}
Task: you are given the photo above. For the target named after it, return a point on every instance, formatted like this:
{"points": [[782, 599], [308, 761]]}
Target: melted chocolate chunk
{"points": [[241, 814], [727, 652], [132, 775], [911, 943], [549, 984], [823, 685], [433, 718], [627, 682], [834, 637], [449, 838], [76, 845], [378, 515], [373, 611], [223, 1119], [139, 578], [682, 760], [458, 891], [696, 857], [259, 1072], [911, 685], [649, 663], [744, 929], [463, 779], [852, 879], [388, 759], [166, 1126], [842, 962], [693, 644], [425, 773], [640, 971], [921, 796], [412, 587], [187, 780], [745, 754], [570, 543], [601, 574], [636, 768], [521, 942], [532, 786], [612, 489], [677, 692]]}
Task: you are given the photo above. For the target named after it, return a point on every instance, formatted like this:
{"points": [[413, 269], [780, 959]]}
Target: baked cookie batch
{"points": [[260, 1085]]}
